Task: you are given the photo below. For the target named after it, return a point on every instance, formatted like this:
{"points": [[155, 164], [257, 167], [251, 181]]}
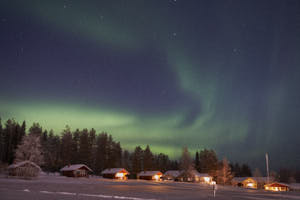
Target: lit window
{"points": [[156, 177], [207, 179], [119, 175]]}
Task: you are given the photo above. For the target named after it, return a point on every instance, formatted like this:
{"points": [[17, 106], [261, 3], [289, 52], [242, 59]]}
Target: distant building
{"points": [[277, 187], [115, 173], [251, 182], [78, 170], [194, 176], [24, 169], [149, 175], [171, 175]]}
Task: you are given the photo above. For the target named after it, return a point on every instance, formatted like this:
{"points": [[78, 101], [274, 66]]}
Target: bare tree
{"points": [[30, 149], [186, 165], [257, 173], [224, 173]]}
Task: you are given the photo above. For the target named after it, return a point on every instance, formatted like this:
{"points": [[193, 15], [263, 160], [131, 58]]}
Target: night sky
{"points": [[168, 73]]}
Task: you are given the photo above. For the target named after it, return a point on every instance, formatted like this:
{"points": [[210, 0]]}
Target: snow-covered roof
{"points": [[276, 184], [114, 171], [173, 173], [257, 179], [203, 175], [19, 164], [149, 173], [74, 167]]}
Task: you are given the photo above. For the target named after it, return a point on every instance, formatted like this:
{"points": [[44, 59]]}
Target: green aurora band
{"points": [[211, 129]]}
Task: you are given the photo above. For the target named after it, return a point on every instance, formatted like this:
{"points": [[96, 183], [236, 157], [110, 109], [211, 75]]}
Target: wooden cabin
{"points": [[251, 182], [115, 173], [78, 170], [171, 175], [24, 169], [194, 176], [150, 175], [277, 187], [204, 178]]}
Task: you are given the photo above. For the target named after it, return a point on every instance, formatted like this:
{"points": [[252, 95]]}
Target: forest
{"points": [[99, 151]]}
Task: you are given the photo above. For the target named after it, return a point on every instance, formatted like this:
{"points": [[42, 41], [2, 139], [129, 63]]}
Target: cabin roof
{"points": [[75, 167], [173, 173], [114, 171], [149, 173], [276, 184], [20, 164], [257, 179], [194, 173]]}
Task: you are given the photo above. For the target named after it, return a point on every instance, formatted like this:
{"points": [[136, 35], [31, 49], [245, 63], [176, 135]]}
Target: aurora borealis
{"points": [[203, 74]]}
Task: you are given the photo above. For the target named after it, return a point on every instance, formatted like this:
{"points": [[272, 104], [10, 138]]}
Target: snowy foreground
{"points": [[63, 188]]}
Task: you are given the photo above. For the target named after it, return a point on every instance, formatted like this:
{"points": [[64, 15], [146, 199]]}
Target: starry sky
{"points": [[169, 73]]}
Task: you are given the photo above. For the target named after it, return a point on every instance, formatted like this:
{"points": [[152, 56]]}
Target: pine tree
{"points": [[66, 146], [147, 159], [197, 162], [9, 134], [75, 146], [245, 170], [126, 160], [93, 148], [137, 157], [117, 151], [208, 161], [30, 149], [84, 147], [162, 162], [111, 159], [52, 152], [1, 142], [101, 152], [36, 129]]}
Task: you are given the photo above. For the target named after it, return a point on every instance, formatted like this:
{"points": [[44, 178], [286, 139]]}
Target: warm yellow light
{"points": [[207, 179], [250, 185], [119, 175], [156, 177]]}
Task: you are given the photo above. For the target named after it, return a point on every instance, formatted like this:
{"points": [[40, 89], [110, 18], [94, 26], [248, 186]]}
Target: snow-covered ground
{"points": [[58, 187]]}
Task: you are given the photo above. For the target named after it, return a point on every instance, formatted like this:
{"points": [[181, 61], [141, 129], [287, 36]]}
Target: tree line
{"points": [[100, 151]]}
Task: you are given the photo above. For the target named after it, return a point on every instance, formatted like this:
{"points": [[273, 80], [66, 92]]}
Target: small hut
{"points": [[24, 169], [277, 187], [149, 175], [251, 182], [194, 176], [78, 170], [115, 173], [171, 175]]}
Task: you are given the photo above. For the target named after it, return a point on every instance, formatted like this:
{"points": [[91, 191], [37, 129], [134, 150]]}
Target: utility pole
{"points": [[267, 164]]}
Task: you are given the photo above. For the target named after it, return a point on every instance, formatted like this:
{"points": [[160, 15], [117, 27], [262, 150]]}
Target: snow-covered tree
{"points": [[30, 149], [224, 173], [186, 162]]}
